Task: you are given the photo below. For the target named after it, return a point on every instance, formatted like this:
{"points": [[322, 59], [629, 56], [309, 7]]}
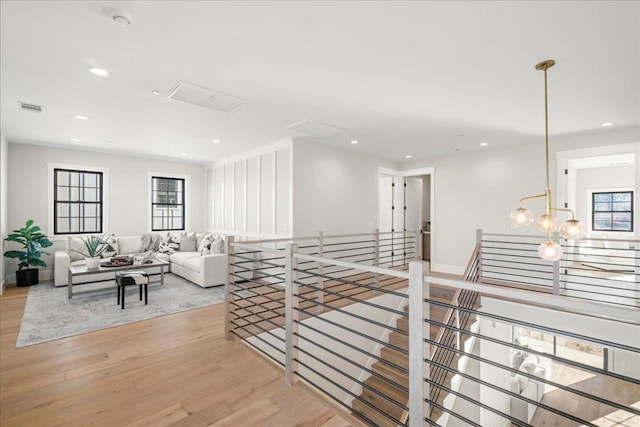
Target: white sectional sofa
{"points": [[203, 270]]}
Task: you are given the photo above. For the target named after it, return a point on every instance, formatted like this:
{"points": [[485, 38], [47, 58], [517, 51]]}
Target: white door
{"points": [[413, 204]]}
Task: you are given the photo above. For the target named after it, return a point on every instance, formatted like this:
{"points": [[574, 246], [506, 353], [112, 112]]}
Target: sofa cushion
{"points": [[204, 244], [217, 246], [163, 257], [188, 243], [193, 264], [112, 246], [179, 258], [150, 242], [128, 244], [77, 249]]}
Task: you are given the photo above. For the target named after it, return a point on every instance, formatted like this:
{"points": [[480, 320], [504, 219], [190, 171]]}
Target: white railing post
{"points": [[291, 314], [419, 389], [479, 243], [229, 288], [418, 249], [319, 292], [376, 254], [556, 269]]}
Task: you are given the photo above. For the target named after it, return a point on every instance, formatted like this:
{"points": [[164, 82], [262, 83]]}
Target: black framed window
{"points": [[167, 204], [78, 198], [612, 211]]}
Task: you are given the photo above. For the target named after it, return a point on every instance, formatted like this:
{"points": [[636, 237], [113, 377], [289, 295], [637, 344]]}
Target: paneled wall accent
{"points": [[251, 196]]}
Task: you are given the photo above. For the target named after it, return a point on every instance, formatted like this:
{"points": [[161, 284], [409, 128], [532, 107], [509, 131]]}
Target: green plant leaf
{"points": [[29, 223]]}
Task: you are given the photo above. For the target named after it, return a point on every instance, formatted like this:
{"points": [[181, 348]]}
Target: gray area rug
{"points": [[50, 315]]}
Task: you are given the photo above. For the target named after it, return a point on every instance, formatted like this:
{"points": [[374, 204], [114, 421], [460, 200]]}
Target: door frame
{"points": [[431, 171]]}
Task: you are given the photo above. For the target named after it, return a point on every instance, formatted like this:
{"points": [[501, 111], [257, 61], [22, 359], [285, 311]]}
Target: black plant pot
{"points": [[27, 277]]}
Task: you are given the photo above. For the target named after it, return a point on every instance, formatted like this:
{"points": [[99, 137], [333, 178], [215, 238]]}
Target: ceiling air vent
{"points": [[207, 98], [31, 107], [314, 128]]}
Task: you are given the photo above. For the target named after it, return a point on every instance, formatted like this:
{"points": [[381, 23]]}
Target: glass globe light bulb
{"points": [[521, 217], [545, 222], [550, 251], [573, 229]]}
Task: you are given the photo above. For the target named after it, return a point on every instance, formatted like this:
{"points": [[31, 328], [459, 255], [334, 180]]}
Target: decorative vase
{"points": [[92, 262], [27, 277]]}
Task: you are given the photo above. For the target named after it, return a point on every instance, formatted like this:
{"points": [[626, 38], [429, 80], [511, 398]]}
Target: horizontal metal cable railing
{"points": [[256, 298], [512, 356], [601, 270]]}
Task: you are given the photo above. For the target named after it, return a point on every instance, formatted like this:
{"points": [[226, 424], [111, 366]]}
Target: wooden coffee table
{"points": [[82, 270]]}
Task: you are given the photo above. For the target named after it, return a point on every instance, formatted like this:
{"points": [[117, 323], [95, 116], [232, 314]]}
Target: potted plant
{"points": [[95, 245], [32, 240]]}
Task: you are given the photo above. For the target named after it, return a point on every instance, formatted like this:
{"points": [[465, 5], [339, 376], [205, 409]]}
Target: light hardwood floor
{"points": [[174, 370]]}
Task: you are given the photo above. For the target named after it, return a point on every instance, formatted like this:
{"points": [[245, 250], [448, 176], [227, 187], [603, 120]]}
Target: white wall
{"points": [[250, 194], [128, 199], [4, 175], [334, 190], [479, 189], [591, 180]]}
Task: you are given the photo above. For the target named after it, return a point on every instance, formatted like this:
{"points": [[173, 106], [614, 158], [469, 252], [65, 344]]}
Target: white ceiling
{"points": [[419, 78]]}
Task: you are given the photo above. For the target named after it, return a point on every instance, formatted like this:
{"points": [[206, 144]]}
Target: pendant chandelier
{"points": [[571, 229]]}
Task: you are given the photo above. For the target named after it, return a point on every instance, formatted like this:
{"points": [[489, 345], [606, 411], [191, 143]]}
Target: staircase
{"points": [[384, 399], [386, 406]]}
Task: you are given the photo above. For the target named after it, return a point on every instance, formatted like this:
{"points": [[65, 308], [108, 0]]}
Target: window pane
{"points": [[622, 197], [601, 197], [63, 178], [74, 210], [90, 195], [90, 210], [74, 179], [620, 216], [63, 225], [91, 180], [622, 206], [63, 210], [602, 207], [621, 226]]}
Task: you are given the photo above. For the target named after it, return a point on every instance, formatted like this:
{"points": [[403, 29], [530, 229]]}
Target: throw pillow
{"points": [[168, 248], [76, 249], [188, 243], [150, 242], [205, 244], [112, 246], [217, 246]]}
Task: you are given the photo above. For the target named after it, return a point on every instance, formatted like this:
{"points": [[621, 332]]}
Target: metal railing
{"points": [[601, 270], [342, 327]]}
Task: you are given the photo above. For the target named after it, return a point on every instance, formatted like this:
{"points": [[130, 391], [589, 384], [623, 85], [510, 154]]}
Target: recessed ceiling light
{"points": [[81, 117], [355, 141], [216, 141], [484, 144], [74, 139], [408, 156], [184, 154], [155, 92], [605, 124], [97, 71]]}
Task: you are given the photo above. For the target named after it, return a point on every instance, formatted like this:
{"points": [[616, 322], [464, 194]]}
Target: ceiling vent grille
{"points": [[31, 107], [207, 98], [315, 128]]}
